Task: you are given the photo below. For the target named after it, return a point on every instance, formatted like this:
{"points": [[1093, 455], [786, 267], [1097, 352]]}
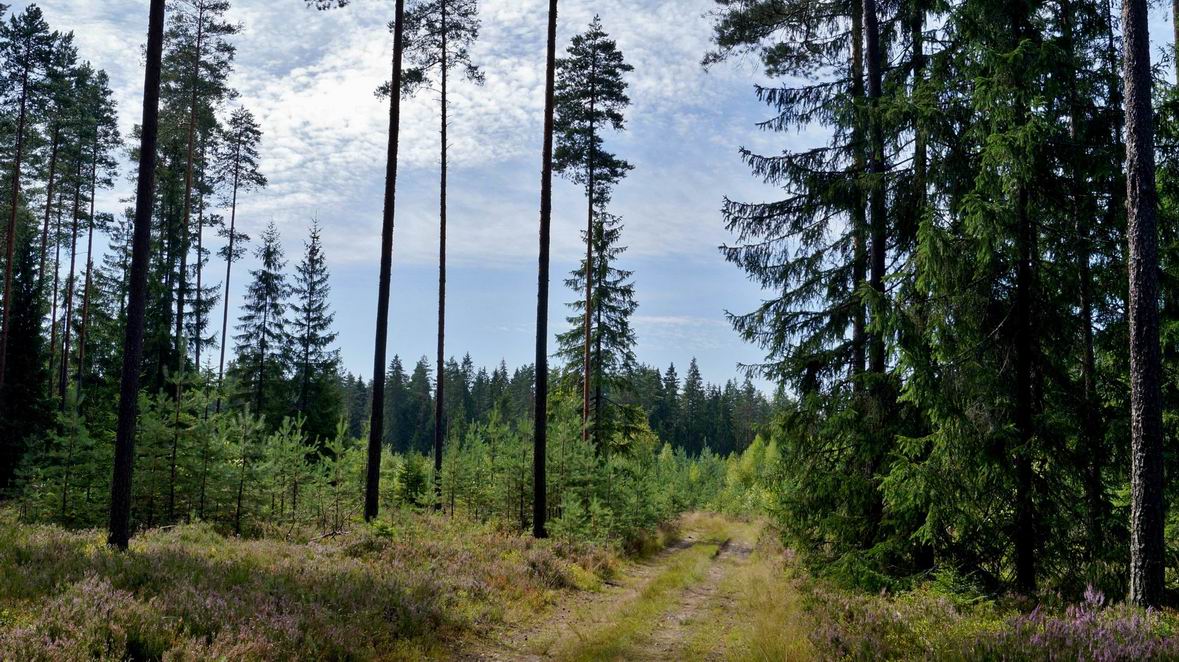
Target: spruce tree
{"points": [[316, 370], [24, 408], [264, 351], [612, 339]]}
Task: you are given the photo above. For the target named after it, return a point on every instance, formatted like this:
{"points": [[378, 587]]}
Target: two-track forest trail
{"points": [[722, 592]]}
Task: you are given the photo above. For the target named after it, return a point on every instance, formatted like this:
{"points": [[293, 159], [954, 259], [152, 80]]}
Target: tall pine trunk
{"points": [[51, 382], [53, 150], [377, 417], [198, 306], [540, 422], [591, 170], [120, 515], [237, 167], [14, 204], [440, 385], [67, 319], [1146, 463], [84, 330]]}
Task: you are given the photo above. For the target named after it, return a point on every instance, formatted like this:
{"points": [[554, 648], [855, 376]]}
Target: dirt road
{"points": [[715, 595]]}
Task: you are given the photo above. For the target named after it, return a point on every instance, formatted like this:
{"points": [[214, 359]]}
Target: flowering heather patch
{"points": [[394, 591], [923, 625]]}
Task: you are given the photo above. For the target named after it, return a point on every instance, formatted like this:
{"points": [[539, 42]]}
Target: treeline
{"points": [[230, 469], [974, 377], [691, 416]]}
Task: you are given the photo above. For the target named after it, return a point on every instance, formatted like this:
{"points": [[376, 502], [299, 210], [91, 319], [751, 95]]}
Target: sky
{"points": [[309, 77]]}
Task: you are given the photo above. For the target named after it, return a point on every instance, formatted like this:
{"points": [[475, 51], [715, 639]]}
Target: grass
{"points": [[400, 590], [634, 620], [760, 614]]}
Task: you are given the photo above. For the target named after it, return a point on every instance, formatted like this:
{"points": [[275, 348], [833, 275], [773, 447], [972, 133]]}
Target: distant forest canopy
{"points": [[688, 413]]}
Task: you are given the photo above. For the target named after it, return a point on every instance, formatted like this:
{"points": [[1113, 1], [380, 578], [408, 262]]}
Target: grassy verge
{"points": [[400, 590]]}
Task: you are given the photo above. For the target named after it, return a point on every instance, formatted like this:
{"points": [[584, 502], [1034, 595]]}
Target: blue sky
{"points": [[309, 77]]}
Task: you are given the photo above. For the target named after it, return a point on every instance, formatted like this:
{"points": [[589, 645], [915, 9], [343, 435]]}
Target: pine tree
{"points": [[263, 345], [316, 370], [590, 99], [238, 171], [1147, 546], [381, 336], [25, 48], [105, 141], [120, 517], [541, 421], [197, 63], [438, 38]]}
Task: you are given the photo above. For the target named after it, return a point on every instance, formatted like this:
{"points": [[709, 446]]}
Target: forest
{"points": [[957, 442]]}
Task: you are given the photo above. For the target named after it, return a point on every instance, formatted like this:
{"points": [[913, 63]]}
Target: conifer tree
{"points": [[263, 344], [317, 364], [1147, 548], [590, 99], [438, 39], [24, 408], [381, 336], [612, 339], [105, 141], [25, 48], [197, 64], [237, 171], [59, 103], [541, 419]]}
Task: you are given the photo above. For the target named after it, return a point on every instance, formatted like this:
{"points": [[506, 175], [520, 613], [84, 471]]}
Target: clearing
{"points": [[720, 593]]}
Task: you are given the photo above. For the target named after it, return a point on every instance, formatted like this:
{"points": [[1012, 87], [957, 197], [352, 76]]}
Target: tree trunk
{"points": [[120, 515], [440, 386], [376, 430], [201, 319], [590, 171], [53, 306], [859, 216], [14, 204], [67, 326], [1090, 407], [84, 331], [541, 420], [56, 144], [1146, 474], [237, 166]]}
